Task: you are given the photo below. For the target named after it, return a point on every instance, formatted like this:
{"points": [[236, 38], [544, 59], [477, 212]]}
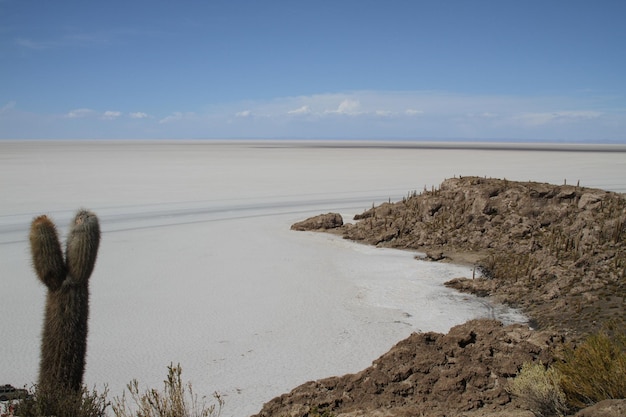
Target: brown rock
{"points": [[464, 371], [321, 222], [557, 252], [542, 243], [606, 408], [435, 255]]}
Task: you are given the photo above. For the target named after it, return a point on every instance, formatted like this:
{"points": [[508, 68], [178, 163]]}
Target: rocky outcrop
{"points": [[464, 371], [321, 222], [556, 251]]}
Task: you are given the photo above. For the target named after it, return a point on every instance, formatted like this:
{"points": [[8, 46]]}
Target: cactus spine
{"points": [[64, 336]]}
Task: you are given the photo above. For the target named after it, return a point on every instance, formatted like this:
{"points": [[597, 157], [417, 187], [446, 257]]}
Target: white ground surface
{"points": [[198, 266]]}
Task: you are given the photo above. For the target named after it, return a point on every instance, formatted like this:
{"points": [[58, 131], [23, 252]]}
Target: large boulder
{"points": [[320, 222]]}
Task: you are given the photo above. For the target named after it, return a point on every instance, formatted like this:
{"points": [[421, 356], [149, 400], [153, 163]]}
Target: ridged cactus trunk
{"points": [[64, 337]]}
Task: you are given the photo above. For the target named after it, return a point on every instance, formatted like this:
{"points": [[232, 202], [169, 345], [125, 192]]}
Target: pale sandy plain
{"points": [[198, 266]]}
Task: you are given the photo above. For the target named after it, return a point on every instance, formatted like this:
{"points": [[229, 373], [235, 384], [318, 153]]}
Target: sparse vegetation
{"points": [[318, 412], [538, 388], [176, 400], [63, 402], [595, 370], [591, 372]]}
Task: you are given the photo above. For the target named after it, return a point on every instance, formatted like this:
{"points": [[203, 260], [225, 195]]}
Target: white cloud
{"points": [[300, 110], [110, 115], [364, 114], [348, 106], [176, 116], [537, 119], [79, 113]]}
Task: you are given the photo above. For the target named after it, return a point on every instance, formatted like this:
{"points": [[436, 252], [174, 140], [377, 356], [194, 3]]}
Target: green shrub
{"points": [[317, 412], [538, 388], [595, 370], [176, 400]]}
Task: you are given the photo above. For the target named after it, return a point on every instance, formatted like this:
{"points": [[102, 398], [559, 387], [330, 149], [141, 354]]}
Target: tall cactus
{"points": [[64, 337]]}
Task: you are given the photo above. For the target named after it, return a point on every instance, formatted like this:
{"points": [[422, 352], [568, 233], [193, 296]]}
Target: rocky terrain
{"points": [[461, 373], [556, 252]]}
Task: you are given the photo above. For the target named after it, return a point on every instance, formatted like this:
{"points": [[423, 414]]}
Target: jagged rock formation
{"points": [[557, 252], [464, 371]]}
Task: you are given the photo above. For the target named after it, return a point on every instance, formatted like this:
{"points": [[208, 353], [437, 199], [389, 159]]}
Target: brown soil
{"points": [[556, 252]]}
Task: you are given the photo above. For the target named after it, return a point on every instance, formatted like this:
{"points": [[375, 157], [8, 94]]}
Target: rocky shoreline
{"points": [[558, 252]]}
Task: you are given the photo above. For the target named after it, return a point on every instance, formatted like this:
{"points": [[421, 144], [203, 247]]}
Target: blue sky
{"points": [[551, 70]]}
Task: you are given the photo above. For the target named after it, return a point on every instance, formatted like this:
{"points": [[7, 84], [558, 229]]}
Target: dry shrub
{"points": [[595, 370], [63, 402], [538, 388], [176, 400]]}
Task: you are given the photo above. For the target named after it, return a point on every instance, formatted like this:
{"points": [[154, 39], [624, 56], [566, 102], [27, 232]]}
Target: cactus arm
{"points": [[46, 253], [82, 246]]}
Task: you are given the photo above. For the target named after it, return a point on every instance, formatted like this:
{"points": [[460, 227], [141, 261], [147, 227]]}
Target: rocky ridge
{"points": [[557, 252], [461, 373]]}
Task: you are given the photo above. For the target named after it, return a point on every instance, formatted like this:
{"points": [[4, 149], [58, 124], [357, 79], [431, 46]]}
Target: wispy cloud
{"points": [[172, 118], [84, 113], [178, 116], [84, 38], [31, 44], [79, 113], [347, 106], [111, 115], [362, 114], [300, 110], [538, 119], [423, 114], [68, 40]]}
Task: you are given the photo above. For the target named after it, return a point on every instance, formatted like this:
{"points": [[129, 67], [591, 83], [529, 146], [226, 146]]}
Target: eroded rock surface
{"points": [[321, 222], [463, 371], [556, 251]]}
